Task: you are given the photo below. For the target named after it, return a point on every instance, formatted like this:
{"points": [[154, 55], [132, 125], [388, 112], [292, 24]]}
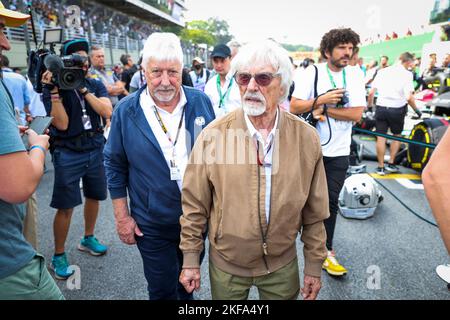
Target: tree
{"points": [[197, 36], [220, 29], [296, 48], [212, 32]]}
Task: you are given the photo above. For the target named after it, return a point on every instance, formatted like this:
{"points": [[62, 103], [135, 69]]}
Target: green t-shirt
{"points": [[15, 251]]}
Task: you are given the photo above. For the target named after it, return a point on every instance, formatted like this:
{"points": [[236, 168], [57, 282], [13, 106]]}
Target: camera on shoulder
{"points": [[67, 70]]}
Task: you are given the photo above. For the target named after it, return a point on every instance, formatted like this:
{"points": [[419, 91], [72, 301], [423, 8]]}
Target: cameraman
{"points": [[77, 147], [334, 80]]}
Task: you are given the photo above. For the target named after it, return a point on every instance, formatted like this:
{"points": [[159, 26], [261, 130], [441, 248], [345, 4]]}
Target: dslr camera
{"points": [[344, 100], [67, 70]]}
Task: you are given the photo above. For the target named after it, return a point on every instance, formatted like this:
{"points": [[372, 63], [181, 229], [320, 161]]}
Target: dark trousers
{"points": [[335, 169], [163, 261]]}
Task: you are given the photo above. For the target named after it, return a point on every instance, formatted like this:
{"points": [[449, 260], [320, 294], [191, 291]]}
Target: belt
{"points": [[391, 107]]}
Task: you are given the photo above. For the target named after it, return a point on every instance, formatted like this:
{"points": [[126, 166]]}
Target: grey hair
{"points": [[162, 46], [234, 44], [263, 53]]}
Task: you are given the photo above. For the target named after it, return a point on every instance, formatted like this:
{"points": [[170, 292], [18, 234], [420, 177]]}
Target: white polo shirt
{"points": [[341, 131], [230, 91], [171, 122], [394, 84]]}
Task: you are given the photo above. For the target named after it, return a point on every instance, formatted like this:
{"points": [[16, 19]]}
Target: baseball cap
{"points": [[199, 60], [71, 46], [12, 18], [221, 51]]}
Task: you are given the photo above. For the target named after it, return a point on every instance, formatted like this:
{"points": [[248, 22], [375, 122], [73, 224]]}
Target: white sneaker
{"points": [[443, 272]]}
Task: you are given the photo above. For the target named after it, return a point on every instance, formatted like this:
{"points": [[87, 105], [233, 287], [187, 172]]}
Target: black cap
{"points": [[71, 46], [222, 51]]}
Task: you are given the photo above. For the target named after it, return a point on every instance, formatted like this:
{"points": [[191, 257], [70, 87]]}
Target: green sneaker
{"points": [[60, 266], [92, 245]]}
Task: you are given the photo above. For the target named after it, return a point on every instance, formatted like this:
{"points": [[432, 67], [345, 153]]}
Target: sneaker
{"points": [[443, 272], [92, 245], [392, 168], [380, 171], [332, 266], [60, 266]]}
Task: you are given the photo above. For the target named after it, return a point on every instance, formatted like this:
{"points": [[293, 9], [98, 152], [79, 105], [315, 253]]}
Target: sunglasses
{"points": [[263, 79]]}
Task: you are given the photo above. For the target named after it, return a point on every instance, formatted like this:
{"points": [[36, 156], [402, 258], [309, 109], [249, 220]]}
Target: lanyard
{"points": [[263, 162], [164, 128], [332, 80], [219, 90], [82, 102]]}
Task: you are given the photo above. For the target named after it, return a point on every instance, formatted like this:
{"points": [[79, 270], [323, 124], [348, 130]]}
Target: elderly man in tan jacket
{"points": [[256, 179]]}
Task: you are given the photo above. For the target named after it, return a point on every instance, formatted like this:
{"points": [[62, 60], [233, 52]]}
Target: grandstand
{"points": [[120, 26]]}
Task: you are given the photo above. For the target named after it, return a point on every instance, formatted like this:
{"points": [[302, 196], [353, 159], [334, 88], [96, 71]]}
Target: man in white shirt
{"points": [[340, 102], [395, 91], [222, 88]]}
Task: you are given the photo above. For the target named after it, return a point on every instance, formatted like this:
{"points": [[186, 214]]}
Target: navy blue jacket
{"points": [[134, 161]]}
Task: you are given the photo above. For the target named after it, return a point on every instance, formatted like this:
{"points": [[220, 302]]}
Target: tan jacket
{"points": [[225, 196]]}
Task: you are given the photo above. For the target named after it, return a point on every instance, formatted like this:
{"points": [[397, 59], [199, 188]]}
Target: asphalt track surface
{"points": [[391, 256]]}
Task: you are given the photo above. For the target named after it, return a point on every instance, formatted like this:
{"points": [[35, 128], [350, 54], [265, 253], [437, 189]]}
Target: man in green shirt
{"points": [[23, 274]]}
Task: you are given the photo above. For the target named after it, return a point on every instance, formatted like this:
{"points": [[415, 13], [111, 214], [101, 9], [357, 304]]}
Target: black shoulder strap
{"points": [[207, 75], [316, 80]]}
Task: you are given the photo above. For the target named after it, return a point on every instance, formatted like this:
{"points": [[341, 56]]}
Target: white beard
{"points": [[254, 109], [164, 97]]}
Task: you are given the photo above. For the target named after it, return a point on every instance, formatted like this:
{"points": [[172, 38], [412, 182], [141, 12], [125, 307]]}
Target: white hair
{"points": [[234, 44], [162, 46], [264, 53]]}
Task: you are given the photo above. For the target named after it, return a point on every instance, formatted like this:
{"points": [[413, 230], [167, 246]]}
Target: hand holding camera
{"points": [[47, 77], [333, 97]]}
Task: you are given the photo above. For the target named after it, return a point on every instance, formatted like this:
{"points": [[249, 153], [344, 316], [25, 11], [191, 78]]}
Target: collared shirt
{"points": [[394, 85], [107, 77], [171, 122], [17, 87], [268, 153], [232, 99]]}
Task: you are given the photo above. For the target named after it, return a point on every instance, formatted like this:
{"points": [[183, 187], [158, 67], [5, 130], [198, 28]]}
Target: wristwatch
{"points": [[85, 92]]}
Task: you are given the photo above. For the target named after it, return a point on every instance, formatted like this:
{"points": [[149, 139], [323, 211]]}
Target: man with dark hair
{"points": [[222, 89], [338, 98], [77, 146], [129, 68], [395, 91]]}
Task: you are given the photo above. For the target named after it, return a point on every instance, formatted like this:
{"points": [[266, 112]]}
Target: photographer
{"points": [[77, 146], [341, 101], [23, 274]]}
